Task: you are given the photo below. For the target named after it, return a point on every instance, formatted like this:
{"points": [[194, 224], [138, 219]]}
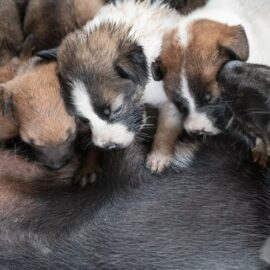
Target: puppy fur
{"points": [[195, 51], [105, 70], [51, 20], [11, 36], [33, 101], [210, 215], [245, 88]]}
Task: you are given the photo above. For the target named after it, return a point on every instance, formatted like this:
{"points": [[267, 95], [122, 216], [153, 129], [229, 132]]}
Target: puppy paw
{"points": [[84, 179], [157, 162], [260, 157]]}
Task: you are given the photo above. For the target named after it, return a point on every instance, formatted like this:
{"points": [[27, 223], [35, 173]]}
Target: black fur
{"points": [[212, 215], [246, 89]]}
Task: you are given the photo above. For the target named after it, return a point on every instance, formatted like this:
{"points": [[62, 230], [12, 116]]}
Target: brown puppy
{"points": [[32, 100], [11, 36], [9, 70], [51, 20]]}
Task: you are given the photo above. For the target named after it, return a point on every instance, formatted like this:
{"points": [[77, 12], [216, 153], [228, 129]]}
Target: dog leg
{"points": [[168, 130]]}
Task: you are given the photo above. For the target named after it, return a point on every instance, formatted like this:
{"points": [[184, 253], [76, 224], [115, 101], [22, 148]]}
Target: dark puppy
{"points": [[11, 36], [246, 89], [51, 20]]}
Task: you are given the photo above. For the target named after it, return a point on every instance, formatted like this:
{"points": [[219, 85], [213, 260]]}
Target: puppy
{"points": [[9, 70], [245, 89], [194, 52], [106, 79], [11, 36], [51, 20], [33, 103]]}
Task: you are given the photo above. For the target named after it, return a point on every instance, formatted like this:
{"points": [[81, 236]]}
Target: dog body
{"points": [[207, 215], [32, 101], [206, 39], [109, 83], [51, 20]]}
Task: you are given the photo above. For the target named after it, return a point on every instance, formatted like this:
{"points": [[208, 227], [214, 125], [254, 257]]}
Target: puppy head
{"points": [[189, 63], [103, 75], [34, 101], [246, 89]]}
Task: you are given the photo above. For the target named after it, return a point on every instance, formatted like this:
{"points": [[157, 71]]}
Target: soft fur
{"points": [[212, 214], [105, 71], [203, 42]]}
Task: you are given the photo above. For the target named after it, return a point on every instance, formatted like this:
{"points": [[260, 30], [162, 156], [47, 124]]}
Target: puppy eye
{"points": [[118, 110]]}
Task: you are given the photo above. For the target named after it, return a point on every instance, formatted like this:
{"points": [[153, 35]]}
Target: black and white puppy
{"points": [[246, 90]]}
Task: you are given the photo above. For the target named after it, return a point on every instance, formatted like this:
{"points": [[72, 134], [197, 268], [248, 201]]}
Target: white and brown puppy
{"points": [[32, 103], [11, 36], [202, 43], [51, 20], [106, 78]]}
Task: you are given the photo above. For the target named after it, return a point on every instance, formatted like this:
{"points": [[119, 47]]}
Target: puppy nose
{"points": [[54, 166], [112, 146]]}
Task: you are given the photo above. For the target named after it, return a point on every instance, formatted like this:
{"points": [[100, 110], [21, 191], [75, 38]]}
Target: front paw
{"points": [[83, 179], [157, 162]]}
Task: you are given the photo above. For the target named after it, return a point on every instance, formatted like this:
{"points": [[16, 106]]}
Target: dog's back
{"points": [[211, 215]]}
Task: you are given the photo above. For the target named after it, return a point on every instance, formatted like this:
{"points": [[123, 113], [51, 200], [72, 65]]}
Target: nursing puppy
{"points": [[245, 89], [105, 74], [32, 102], [51, 20], [11, 36], [204, 41]]}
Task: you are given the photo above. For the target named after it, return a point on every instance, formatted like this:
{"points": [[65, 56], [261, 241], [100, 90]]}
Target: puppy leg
{"points": [[87, 173], [168, 130]]}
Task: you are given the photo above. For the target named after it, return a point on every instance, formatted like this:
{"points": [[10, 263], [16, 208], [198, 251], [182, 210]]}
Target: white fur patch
{"points": [[197, 122], [103, 133]]}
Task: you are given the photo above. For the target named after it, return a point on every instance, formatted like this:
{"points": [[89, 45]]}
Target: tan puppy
{"points": [[9, 70], [32, 100], [51, 20], [11, 36]]}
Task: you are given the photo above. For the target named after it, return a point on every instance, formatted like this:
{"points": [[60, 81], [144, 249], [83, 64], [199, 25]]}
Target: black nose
{"points": [[112, 146]]}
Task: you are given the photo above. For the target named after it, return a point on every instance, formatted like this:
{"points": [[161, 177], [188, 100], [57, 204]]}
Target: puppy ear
{"points": [[6, 103], [157, 70], [28, 47], [235, 43], [50, 54], [132, 64]]}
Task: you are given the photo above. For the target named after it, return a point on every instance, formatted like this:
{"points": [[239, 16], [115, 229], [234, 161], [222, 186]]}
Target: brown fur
{"points": [[38, 107], [51, 20], [11, 35], [210, 45]]}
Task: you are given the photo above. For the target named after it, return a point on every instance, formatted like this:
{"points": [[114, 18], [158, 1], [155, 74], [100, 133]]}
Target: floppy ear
{"points": [[28, 47], [235, 43], [157, 70], [50, 54], [6, 102], [132, 64]]}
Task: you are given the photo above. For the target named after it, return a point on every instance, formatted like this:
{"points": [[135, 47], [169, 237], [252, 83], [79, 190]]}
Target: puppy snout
{"points": [[112, 146], [55, 166], [231, 71]]}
